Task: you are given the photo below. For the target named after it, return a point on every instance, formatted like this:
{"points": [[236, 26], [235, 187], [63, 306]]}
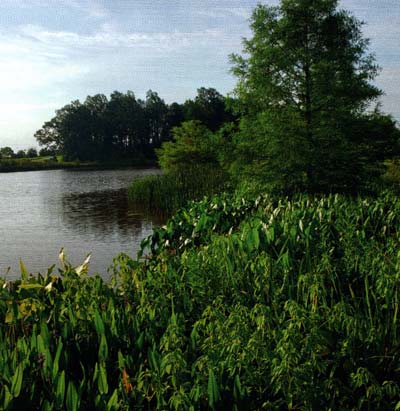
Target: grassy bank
{"points": [[241, 305], [46, 163]]}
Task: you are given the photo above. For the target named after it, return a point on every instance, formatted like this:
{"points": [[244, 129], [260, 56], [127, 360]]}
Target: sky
{"points": [[55, 51]]}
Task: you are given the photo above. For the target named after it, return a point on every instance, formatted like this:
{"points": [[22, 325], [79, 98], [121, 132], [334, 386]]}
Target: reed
{"points": [[169, 192]]}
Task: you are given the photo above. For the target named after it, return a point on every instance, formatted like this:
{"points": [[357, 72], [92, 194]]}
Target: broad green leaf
{"points": [[237, 390], [102, 380], [60, 392], [121, 360], [98, 323], [72, 400], [57, 358], [113, 401], [7, 397], [29, 286], [212, 389], [44, 332], [103, 349], [16, 381]]}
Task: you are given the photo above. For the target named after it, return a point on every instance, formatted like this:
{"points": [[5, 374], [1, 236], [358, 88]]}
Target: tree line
{"points": [[123, 126], [8, 153]]}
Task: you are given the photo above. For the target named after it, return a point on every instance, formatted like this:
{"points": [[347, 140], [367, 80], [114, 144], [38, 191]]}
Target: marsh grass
{"points": [[168, 192]]}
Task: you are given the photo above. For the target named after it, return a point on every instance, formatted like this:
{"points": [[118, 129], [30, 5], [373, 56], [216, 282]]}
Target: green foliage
{"points": [[123, 126], [193, 145], [275, 164], [57, 162], [27, 164], [31, 152], [6, 152], [208, 107], [191, 165], [261, 304], [168, 192], [303, 85], [392, 175]]}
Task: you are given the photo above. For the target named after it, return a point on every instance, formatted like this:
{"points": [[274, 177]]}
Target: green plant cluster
{"points": [[167, 193], [234, 304]]}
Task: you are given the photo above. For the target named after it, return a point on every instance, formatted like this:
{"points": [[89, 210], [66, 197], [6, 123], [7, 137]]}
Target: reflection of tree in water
{"points": [[105, 213]]}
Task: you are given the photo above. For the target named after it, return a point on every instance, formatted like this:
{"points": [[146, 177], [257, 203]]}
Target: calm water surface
{"points": [[82, 211]]}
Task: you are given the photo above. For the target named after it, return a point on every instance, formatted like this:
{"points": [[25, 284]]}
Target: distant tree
{"points": [[73, 131], [304, 84], [208, 107], [95, 132], [7, 152], [20, 154], [126, 124], [122, 126], [31, 152], [174, 118], [156, 112], [44, 152], [50, 135]]}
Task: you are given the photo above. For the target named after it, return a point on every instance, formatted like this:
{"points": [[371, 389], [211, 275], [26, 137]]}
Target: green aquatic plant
{"points": [[167, 193], [233, 304]]}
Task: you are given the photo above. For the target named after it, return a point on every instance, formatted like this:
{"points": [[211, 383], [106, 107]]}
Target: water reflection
{"points": [[103, 214]]}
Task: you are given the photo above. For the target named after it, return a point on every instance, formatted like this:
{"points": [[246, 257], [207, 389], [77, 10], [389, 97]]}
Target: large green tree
{"points": [[304, 85]]}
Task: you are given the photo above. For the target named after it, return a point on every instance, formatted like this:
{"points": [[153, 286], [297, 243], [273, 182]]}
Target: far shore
{"points": [[14, 165]]}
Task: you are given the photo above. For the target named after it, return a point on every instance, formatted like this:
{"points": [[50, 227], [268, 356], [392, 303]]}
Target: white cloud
{"points": [[88, 8], [220, 12], [109, 37], [28, 66], [43, 69], [32, 77]]}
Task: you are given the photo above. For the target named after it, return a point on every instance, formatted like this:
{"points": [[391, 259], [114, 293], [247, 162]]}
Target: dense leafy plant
{"points": [[234, 304]]}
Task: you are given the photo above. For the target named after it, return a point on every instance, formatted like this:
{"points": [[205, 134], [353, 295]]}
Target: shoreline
{"points": [[40, 166]]}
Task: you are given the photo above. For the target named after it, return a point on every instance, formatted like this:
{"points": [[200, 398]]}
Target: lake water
{"points": [[81, 211]]}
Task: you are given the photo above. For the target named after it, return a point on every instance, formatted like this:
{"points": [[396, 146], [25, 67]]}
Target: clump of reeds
{"points": [[169, 192]]}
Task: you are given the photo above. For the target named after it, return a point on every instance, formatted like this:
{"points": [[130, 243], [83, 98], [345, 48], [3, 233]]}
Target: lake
{"points": [[81, 211]]}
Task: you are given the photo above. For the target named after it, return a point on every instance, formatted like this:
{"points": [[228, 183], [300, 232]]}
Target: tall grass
{"points": [[168, 192], [240, 305], [392, 175]]}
